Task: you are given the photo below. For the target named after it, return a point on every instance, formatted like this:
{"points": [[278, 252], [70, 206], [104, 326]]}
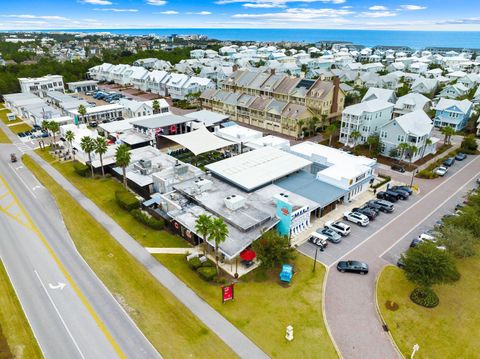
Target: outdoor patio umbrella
{"points": [[248, 255]]}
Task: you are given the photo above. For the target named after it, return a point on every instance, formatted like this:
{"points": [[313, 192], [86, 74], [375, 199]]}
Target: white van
{"points": [[318, 239]]}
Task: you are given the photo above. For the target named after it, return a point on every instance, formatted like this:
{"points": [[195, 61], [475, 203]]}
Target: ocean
{"points": [[413, 39]]}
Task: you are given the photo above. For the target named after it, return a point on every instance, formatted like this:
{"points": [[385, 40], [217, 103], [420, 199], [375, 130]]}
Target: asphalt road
{"points": [[80, 320], [350, 303]]}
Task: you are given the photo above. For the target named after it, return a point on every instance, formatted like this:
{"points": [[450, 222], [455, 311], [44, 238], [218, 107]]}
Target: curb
{"points": [[380, 313], [337, 349]]}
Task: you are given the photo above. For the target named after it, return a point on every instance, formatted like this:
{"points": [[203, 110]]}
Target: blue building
{"points": [[452, 113]]}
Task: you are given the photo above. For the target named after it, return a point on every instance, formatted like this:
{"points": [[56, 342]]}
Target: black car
{"points": [[387, 196], [449, 161], [401, 263], [415, 242], [331, 235], [403, 188], [381, 205], [460, 156], [401, 193], [369, 212], [398, 168], [352, 266]]}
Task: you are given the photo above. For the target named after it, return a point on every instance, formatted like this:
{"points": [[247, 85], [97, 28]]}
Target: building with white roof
{"points": [[98, 114], [41, 85], [453, 113], [83, 86], [364, 118], [414, 128], [375, 93], [411, 102]]}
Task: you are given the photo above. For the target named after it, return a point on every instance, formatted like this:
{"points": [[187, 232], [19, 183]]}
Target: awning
{"points": [[248, 255], [199, 141]]}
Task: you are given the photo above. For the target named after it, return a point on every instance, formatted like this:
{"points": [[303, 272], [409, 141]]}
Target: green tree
{"points": [[426, 265], [469, 144], [273, 250], [329, 132], [218, 233], [412, 151], [428, 142], [87, 145], [100, 149], [70, 136], [46, 127], [156, 106], [355, 135], [203, 226], [300, 124], [459, 241], [373, 144], [403, 148], [394, 152], [54, 127], [312, 125], [122, 159], [448, 132], [82, 111]]}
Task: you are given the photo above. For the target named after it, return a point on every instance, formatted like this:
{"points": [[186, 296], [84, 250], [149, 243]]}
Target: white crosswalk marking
{"points": [[22, 147]]}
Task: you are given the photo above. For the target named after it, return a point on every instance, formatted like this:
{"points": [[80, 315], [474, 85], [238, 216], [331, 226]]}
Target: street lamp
{"points": [[414, 172]]}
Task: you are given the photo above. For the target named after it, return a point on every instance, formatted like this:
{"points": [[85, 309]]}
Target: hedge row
{"points": [[425, 297], [205, 270], [385, 181], [429, 172], [81, 169], [147, 220], [127, 200]]}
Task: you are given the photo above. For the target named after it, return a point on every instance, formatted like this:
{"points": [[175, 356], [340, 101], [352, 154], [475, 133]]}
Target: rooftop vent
{"points": [[235, 202]]}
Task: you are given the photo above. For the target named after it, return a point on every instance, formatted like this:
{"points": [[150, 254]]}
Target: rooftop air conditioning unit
{"points": [[203, 184], [235, 202]]}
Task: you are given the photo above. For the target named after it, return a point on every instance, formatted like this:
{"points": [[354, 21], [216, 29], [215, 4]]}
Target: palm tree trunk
{"points": [[216, 256], [90, 160], [124, 170], [330, 140], [101, 165]]}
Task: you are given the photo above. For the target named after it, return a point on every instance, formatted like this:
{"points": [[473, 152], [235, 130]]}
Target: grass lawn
{"points": [[451, 330], [15, 327], [20, 128], [173, 330], [102, 192], [3, 117], [3, 137], [263, 308]]}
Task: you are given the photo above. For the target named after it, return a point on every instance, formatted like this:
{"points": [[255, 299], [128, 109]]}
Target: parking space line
{"points": [[428, 215], [406, 210]]}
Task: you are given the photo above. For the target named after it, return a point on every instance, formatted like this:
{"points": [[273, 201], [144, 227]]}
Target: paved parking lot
{"points": [[358, 235]]}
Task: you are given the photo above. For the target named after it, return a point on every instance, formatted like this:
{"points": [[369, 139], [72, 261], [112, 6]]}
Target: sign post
{"points": [[228, 293], [415, 349]]}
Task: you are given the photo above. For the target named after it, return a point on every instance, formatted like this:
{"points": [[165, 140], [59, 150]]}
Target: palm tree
{"points": [[87, 145], [46, 127], [82, 111], [403, 147], [448, 132], [203, 225], [413, 150], [54, 127], [300, 124], [428, 142], [70, 136], [330, 131], [156, 106], [122, 159], [101, 148], [219, 234], [355, 135], [312, 124], [372, 141]]}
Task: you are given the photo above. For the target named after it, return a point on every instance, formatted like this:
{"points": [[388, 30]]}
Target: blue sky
{"points": [[461, 15]]}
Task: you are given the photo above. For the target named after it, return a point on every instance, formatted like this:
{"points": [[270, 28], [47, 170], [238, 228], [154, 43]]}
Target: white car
{"points": [[339, 227], [357, 218], [441, 171]]}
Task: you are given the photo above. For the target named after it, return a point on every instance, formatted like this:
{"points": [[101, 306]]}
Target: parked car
{"points": [[357, 218], [331, 235], [441, 171], [352, 266], [403, 188], [387, 196], [318, 239], [382, 205], [398, 168], [371, 213], [460, 156], [400, 193], [401, 263], [93, 124], [449, 162], [339, 227]]}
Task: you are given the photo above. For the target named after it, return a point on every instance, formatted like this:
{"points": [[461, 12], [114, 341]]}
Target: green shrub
{"points": [[208, 263], [127, 200], [384, 181], [221, 280], [81, 169], [194, 263], [428, 174], [207, 273], [469, 144], [425, 297], [147, 220]]}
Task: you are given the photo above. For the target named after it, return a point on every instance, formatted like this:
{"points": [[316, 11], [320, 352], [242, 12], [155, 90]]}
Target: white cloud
{"points": [[377, 14], [199, 13], [378, 8], [412, 7], [43, 17], [156, 2], [116, 10], [97, 2], [168, 12], [297, 14], [263, 5], [276, 3]]}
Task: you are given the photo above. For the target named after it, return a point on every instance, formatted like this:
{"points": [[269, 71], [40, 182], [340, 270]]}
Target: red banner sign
{"points": [[227, 293]]}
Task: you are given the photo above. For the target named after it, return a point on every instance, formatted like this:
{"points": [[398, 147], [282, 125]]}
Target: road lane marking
{"points": [[429, 215], [59, 315], [406, 210], [21, 179], [67, 275]]}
